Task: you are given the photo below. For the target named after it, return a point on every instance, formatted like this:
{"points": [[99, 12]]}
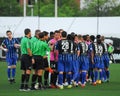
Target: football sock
{"points": [[9, 73], [46, 77], [104, 74], [83, 77], [40, 81], [34, 78], [96, 75], [108, 74], [60, 79], [22, 80], [101, 75], [69, 78], [27, 80], [13, 72]]}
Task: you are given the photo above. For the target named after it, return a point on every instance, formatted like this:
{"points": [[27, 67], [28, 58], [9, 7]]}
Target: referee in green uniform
{"points": [[38, 50], [26, 60]]}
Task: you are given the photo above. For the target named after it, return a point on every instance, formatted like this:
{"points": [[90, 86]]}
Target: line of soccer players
{"points": [[63, 58]]}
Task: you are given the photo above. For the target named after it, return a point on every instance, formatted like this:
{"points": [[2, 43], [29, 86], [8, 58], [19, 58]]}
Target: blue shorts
{"points": [[98, 60], [106, 60], [75, 66], [83, 62], [64, 63], [11, 61]]}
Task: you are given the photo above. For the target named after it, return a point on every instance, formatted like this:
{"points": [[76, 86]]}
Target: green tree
{"points": [[10, 8], [98, 7]]}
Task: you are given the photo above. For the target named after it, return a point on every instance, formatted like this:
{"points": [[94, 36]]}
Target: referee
{"points": [[26, 60]]}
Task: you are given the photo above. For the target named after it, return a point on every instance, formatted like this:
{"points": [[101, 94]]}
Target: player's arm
{"points": [[17, 44], [3, 46], [56, 52], [91, 53]]}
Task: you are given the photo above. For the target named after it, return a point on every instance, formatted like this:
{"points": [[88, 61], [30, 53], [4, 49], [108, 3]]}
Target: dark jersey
{"points": [[105, 47], [66, 46], [97, 48], [9, 44], [83, 48]]}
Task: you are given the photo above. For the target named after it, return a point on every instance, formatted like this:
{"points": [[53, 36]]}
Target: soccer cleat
{"points": [[26, 89], [82, 85], [61, 87], [69, 86], [13, 80], [52, 86], [99, 81], [94, 83]]}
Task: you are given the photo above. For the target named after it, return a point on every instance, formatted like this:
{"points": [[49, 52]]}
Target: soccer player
{"points": [[45, 60], [83, 59], [97, 60], [34, 75], [26, 60], [53, 59], [39, 48], [9, 45], [106, 60], [64, 48]]}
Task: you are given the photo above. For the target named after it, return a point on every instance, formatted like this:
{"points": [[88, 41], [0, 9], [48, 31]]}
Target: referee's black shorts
{"points": [[38, 62], [45, 62], [26, 62], [53, 65]]}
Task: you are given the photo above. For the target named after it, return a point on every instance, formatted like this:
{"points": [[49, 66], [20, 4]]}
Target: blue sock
{"points": [[83, 77], [104, 74], [101, 75], [69, 78], [77, 79], [9, 73], [60, 79], [13, 72], [108, 74], [96, 75]]}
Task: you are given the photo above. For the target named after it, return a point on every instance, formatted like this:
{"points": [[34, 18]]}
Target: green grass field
{"points": [[106, 89]]}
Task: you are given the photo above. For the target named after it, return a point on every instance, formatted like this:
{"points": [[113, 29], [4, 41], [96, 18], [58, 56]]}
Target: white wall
{"points": [[108, 26]]}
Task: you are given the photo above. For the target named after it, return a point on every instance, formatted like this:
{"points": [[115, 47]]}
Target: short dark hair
{"points": [[8, 31], [45, 33], [27, 31], [41, 35], [64, 34], [37, 31], [92, 38], [98, 36], [85, 37]]}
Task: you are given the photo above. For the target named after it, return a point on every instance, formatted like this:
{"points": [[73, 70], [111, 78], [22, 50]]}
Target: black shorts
{"points": [[53, 64], [38, 63], [26, 62], [45, 61]]}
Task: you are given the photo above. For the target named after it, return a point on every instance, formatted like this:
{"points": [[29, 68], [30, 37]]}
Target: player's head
{"points": [[87, 37], [64, 34], [69, 37], [27, 32], [80, 37], [98, 38], [84, 37], [51, 35], [92, 38], [9, 34], [41, 36], [57, 35], [102, 38], [37, 33], [75, 38], [45, 35]]}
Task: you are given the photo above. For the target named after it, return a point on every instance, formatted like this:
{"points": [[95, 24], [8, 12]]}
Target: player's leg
{"points": [[46, 72], [34, 75], [60, 69], [9, 64], [14, 61], [28, 65]]}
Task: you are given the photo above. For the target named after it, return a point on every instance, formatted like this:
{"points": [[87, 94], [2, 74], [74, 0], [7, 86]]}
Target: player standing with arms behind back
{"points": [[26, 60], [9, 45]]}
